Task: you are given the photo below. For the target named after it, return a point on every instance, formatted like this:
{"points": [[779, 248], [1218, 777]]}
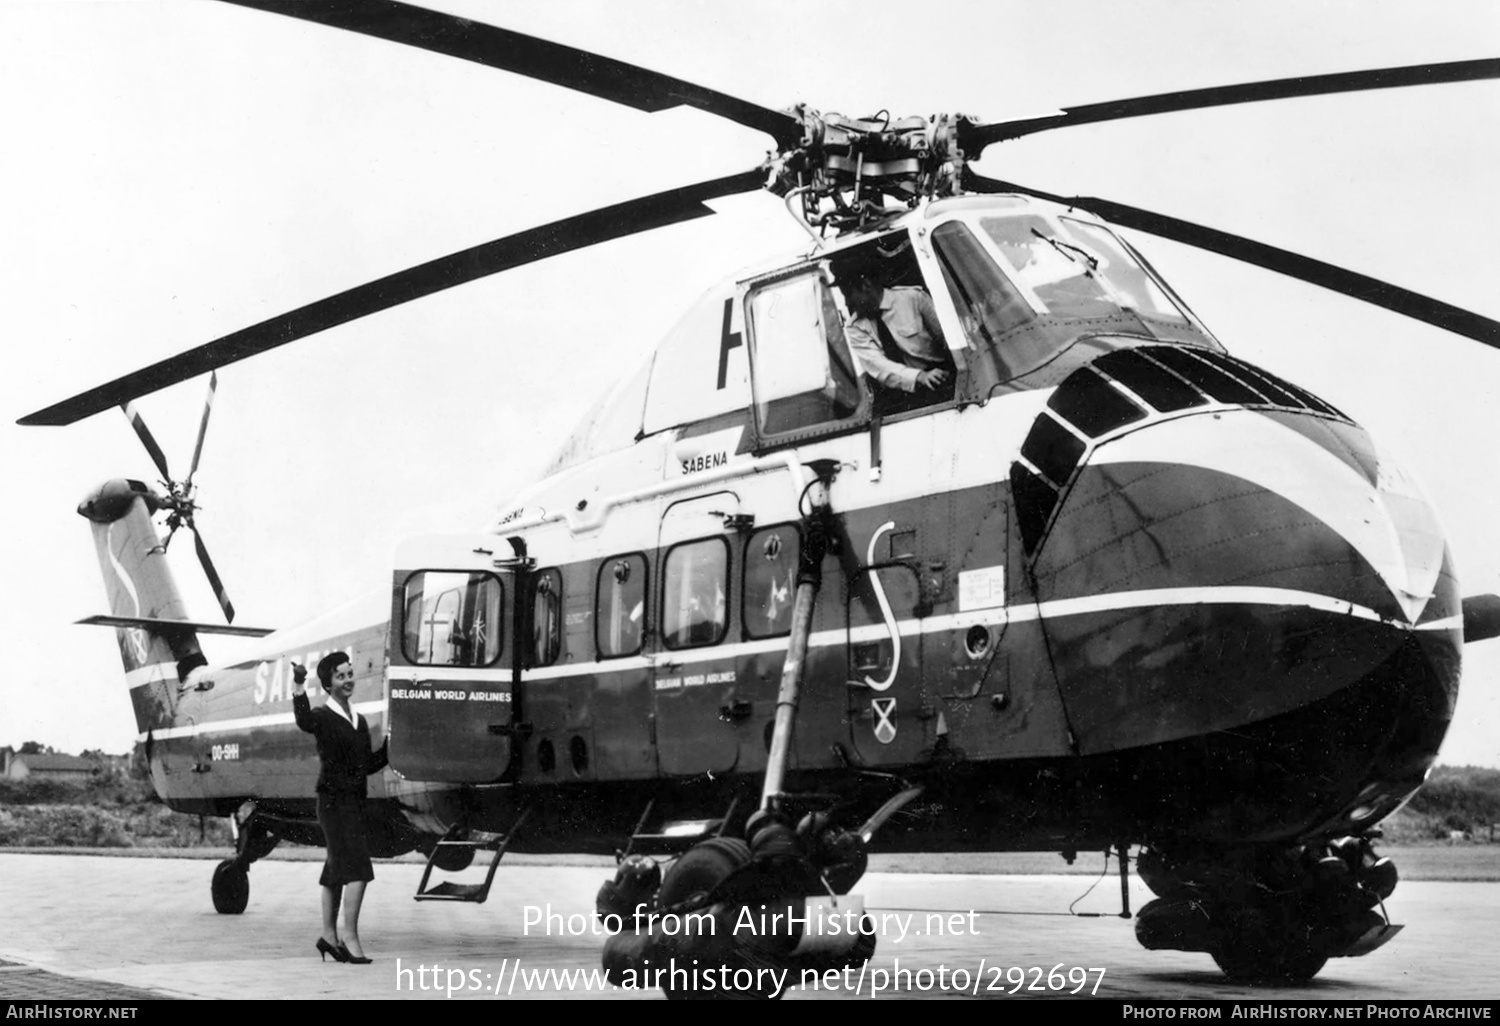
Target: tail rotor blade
{"points": [[208, 408], [213, 577], [144, 433]]}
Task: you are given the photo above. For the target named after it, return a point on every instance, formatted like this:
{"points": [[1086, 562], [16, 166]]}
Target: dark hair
{"points": [[849, 268], [332, 661]]}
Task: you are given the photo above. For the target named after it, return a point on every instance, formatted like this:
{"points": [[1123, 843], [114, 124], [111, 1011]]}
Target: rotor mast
{"points": [[843, 169]]}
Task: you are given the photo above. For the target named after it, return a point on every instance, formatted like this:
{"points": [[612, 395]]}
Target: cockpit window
{"points": [[1076, 269], [987, 304], [1058, 275], [1133, 287]]}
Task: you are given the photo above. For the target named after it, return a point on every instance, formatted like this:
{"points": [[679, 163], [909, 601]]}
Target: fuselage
{"points": [[1120, 586]]}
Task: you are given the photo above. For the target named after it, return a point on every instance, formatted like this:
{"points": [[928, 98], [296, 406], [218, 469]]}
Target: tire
{"points": [[230, 888], [702, 868], [699, 870], [1261, 957]]}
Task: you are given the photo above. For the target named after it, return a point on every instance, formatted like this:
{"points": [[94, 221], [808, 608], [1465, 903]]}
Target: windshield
{"points": [[1026, 286], [1070, 268]]}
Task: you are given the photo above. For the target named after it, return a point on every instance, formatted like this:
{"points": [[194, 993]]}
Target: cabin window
{"points": [[695, 590], [452, 618], [546, 617], [804, 373], [770, 581], [620, 611]]}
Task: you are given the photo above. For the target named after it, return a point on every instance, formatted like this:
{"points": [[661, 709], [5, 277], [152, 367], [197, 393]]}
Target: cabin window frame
{"points": [[549, 580], [751, 553], [666, 590], [859, 416], [607, 566], [406, 605]]}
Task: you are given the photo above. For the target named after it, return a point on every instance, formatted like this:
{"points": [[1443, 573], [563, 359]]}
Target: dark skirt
{"points": [[342, 817]]}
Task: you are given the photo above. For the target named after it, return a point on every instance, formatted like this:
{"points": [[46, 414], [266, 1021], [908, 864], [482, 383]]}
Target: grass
{"points": [[109, 812]]}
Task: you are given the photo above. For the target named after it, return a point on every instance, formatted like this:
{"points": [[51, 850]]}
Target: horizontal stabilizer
{"points": [[152, 623]]}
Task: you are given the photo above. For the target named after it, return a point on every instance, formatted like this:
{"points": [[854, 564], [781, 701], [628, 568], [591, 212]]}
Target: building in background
{"points": [[15, 765]]}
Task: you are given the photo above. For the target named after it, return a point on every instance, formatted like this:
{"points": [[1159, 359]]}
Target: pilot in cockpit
{"points": [[894, 334]]}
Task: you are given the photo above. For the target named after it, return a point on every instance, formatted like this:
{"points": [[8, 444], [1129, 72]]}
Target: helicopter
{"points": [[910, 652]]}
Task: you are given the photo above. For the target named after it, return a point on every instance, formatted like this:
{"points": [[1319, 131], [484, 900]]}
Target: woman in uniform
{"points": [[345, 759]]}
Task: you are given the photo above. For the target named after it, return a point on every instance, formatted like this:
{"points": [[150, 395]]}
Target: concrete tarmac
{"points": [[90, 927]]}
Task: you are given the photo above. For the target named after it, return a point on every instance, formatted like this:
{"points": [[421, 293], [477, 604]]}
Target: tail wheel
{"points": [[231, 888]]}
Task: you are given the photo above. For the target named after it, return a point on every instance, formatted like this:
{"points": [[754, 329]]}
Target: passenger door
{"points": [[451, 680], [694, 683]]}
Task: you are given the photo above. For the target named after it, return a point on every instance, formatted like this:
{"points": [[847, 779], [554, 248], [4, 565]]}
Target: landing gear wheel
{"points": [[1260, 957], [231, 888], [700, 869]]}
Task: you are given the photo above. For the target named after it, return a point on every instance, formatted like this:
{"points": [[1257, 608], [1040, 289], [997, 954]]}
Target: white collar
{"points": [[339, 710]]}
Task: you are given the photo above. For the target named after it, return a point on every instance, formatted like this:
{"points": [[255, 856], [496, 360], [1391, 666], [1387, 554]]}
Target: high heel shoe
{"points": [[351, 957], [338, 951]]}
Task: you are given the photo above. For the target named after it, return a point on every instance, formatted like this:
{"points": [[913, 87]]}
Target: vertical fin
{"points": [[138, 583]]}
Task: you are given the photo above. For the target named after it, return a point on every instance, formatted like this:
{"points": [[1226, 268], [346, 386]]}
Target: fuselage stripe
{"points": [[368, 709], [1055, 608]]}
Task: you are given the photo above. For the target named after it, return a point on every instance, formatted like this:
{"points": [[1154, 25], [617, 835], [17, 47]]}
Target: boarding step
{"points": [[456, 841]]}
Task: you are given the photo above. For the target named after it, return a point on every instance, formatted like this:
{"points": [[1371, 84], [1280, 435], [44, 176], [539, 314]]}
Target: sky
{"points": [[178, 170]]}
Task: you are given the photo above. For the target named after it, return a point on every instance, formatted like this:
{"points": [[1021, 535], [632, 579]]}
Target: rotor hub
{"points": [[845, 169]]}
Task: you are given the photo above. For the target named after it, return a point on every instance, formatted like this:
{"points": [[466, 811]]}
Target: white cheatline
{"points": [[366, 709], [1054, 609]]}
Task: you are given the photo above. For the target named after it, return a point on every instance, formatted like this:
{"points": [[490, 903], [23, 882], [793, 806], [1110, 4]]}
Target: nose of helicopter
{"points": [[1215, 565]]}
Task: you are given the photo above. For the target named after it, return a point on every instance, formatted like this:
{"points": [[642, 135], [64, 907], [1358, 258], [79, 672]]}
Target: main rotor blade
{"points": [[546, 61], [602, 225], [208, 408], [973, 140], [1315, 272], [213, 576], [147, 439]]}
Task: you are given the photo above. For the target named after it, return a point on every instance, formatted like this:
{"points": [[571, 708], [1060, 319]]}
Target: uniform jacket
{"points": [[909, 315], [344, 755]]}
